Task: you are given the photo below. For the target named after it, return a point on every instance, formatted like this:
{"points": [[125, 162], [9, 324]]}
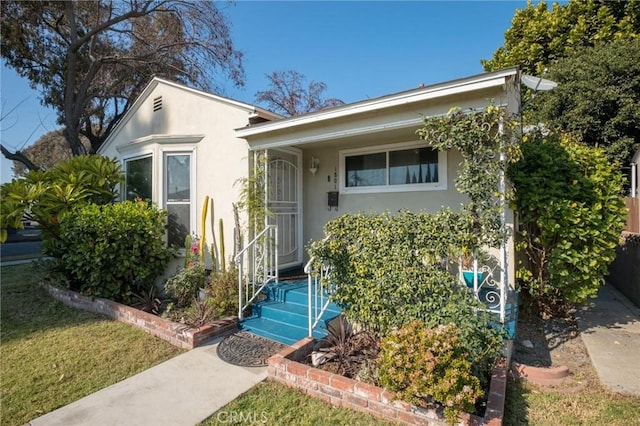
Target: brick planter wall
{"points": [[340, 391], [177, 334]]}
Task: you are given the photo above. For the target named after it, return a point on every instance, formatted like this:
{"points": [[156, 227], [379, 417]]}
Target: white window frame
{"points": [[162, 158], [441, 185]]}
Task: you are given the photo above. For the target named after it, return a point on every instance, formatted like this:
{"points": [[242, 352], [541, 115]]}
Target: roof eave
{"points": [[476, 82]]}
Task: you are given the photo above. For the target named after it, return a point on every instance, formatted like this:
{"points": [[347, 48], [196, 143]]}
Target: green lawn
{"points": [[273, 403], [53, 355], [528, 405]]}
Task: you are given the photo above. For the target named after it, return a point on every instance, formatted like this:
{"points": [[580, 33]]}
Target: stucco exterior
{"points": [[316, 187], [189, 121], [219, 135]]}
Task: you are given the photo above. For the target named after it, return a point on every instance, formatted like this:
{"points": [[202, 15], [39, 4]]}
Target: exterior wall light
{"points": [[313, 166]]}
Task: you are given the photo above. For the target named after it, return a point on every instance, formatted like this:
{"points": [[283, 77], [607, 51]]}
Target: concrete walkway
{"points": [[610, 329], [182, 391]]}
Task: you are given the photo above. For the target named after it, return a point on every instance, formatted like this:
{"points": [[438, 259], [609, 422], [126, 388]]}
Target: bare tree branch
{"points": [[18, 156], [287, 94]]}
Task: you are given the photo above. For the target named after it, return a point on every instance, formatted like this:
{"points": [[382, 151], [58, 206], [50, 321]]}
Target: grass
{"points": [[53, 355], [273, 403], [594, 405]]}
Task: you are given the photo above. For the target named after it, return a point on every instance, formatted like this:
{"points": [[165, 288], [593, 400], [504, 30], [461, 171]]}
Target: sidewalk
{"points": [[610, 329], [182, 391]]}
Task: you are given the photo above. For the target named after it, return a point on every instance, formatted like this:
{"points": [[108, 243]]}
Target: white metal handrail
{"points": [[318, 293], [261, 256]]}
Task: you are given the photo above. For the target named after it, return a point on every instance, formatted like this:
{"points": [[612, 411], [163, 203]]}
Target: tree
{"points": [[90, 59], [288, 96], [539, 35], [49, 150], [571, 216], [597, 98]]}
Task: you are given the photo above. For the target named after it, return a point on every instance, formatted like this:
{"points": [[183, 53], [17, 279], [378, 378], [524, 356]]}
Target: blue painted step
{"points": [[283, 316], [278, 331]]}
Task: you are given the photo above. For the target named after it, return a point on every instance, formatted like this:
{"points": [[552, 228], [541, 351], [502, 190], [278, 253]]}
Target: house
{"points": [[369, 153], [178, 145]]}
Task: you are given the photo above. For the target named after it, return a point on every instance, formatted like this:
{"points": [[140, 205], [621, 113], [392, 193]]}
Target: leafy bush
{"points": [[389, 270], [571, 216], [348, 351], [420, 363], [113, 250], [148, 300], [46, 196], [223, 292], [199, 313], [184, 285]]}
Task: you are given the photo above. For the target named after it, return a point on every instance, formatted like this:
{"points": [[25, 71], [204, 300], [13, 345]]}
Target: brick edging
{"points": [[177, 334], [340, 391], [497, 394]]}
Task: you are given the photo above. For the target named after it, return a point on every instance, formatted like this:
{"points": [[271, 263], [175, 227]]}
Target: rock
{"points": [[318, 358], [527, 344]]}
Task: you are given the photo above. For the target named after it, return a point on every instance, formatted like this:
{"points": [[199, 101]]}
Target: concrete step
{"points": [[283, 317], [277, 331]]}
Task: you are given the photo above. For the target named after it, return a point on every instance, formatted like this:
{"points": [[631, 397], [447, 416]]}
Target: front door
{"points": [[284, 196]]}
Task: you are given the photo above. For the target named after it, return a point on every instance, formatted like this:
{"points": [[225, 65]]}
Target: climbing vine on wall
{"points": [[253, 198], [392, 269], [480, 137]]}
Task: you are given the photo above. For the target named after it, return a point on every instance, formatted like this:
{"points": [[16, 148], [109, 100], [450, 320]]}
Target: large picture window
{"points": [[178, 196], [138, 178], [405, 167]]}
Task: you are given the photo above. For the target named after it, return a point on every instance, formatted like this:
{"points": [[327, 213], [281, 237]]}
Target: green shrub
{"points": [[113, 250], [421, 364], [46, 196], [223, 292], [185, 284], [389, 270], [568, 199]]}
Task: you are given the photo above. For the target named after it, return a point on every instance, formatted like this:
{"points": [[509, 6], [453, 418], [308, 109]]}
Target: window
{"points": [[412, 166], [138, 174], [404, 167], [366, 170], [178, 196]]}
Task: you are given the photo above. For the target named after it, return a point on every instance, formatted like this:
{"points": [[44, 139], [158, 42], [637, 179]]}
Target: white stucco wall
{"points": [[196, 123], [316, 188]]}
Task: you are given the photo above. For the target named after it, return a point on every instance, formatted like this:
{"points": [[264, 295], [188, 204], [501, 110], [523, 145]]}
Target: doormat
{"points": [[246, 349]]}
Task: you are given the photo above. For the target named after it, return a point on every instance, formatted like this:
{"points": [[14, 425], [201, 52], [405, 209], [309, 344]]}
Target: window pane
{"points": [[138, 178], [179, 223], [178, 178], [366, 170], [178, 196], [413, 166]]}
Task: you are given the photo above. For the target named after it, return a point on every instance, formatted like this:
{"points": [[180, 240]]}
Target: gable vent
{"points": [[157, 104]]}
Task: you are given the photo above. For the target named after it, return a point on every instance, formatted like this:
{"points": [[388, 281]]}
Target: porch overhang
{"points": [[397, 115]]}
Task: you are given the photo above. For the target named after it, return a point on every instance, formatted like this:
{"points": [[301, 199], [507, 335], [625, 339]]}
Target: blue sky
{"points": [[359, 49]]}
